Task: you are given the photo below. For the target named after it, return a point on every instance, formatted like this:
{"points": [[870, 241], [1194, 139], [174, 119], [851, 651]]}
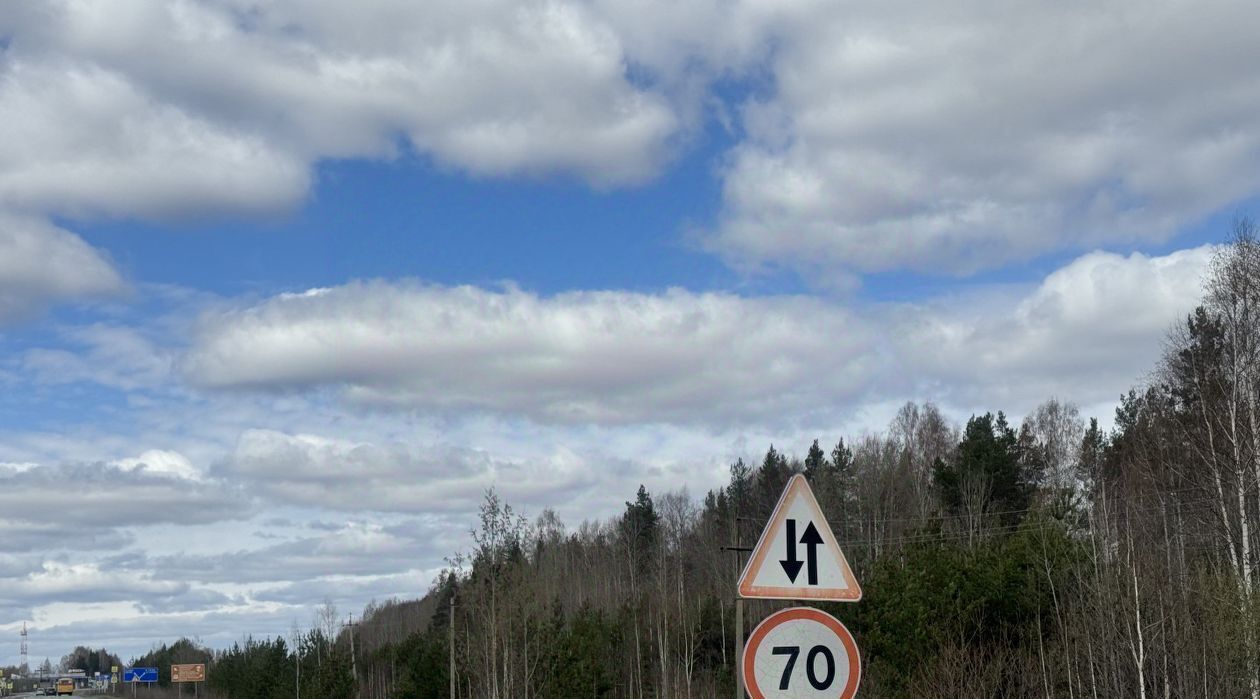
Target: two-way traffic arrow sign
{"points": [[827, 573], [811, 539]]}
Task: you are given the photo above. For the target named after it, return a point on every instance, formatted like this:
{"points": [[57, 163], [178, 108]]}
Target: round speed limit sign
{"points": [[801, 653]]}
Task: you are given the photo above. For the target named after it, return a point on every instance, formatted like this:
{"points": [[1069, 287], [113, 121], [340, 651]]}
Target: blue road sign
{"points": [[140, 674]]}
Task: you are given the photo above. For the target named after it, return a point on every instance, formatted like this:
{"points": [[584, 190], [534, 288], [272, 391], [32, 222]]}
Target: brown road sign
{"points": [[192, 672]]}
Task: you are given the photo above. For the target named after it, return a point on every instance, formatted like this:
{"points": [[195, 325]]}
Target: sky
{"points": [[286, 286]]}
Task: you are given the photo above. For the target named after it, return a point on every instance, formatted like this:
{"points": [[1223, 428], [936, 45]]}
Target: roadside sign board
{"points": [[188, 672], [801, 653], [140, 674], [797, 556]]}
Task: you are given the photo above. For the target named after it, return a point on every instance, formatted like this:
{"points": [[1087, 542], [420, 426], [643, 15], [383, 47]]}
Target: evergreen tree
{"points": [[815, 462], [770, 481], [639, 527], [988, 472], [841, 457], [1093, 451], [739, 491]]}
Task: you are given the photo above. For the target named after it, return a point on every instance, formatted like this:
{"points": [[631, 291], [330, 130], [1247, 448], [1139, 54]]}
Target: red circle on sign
{"points": [[795, 614]]}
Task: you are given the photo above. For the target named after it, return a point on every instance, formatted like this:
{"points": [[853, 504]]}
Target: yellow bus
{"points": [[65, 685]]}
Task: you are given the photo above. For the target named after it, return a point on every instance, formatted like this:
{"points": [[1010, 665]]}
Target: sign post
{"points": [[801, 652], [188, 672], [136, 675]]}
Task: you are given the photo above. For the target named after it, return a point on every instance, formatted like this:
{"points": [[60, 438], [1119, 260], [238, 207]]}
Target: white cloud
{"points": [[350, 593], [93, 501], [157, 108], [945, 140], [80, 582], [41, 264], [169, 110], [123, 627], [604, 357], [336, 474], [85, 141], [1088, 331], [354, 549], [949, 138], [116, 356], [161, 462]]}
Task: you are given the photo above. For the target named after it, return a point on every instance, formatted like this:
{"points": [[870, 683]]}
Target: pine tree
{"points": [[988, 473]]}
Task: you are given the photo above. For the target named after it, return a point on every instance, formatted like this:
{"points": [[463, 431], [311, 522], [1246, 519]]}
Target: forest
{"points": [[1046, 557]]}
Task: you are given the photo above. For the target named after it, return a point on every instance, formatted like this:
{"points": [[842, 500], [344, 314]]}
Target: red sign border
{"points": [[792, 614]]}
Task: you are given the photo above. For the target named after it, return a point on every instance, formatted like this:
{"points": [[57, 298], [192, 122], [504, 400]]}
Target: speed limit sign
{"points": [[801, 653]]}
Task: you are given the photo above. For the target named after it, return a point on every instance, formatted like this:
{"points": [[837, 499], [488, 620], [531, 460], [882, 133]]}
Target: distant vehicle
{"points": [[65, 685]]}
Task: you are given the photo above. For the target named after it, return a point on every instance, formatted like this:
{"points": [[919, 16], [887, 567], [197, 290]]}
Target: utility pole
{"points": [[24, 666], [297, 656], [451, 646], [739, 549], [354, 671]]}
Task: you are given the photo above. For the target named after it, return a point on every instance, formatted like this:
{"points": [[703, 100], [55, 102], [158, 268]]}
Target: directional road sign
{"points": [[140, 674], [797, 556], [801, 653]]}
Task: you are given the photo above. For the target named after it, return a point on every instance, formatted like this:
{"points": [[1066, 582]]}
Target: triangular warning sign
{"points": [[797, 556]]}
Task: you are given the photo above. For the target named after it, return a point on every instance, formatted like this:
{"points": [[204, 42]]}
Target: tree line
{"points": [[1048, 558]]}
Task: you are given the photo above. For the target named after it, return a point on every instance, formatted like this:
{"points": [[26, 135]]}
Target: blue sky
{"points": [[285, 287], [406, 218]]}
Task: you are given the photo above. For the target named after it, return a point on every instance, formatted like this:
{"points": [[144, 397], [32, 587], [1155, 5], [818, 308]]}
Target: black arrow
{"points": [[812, 539], [792, 566]]}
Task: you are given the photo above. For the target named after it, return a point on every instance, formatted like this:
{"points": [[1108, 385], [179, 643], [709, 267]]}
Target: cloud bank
{"points": [[681, 357]]}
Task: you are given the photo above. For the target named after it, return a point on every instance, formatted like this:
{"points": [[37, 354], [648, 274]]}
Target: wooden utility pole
{"points": [[297, 655], [739, 549], [451, 647], [354, 670]]}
